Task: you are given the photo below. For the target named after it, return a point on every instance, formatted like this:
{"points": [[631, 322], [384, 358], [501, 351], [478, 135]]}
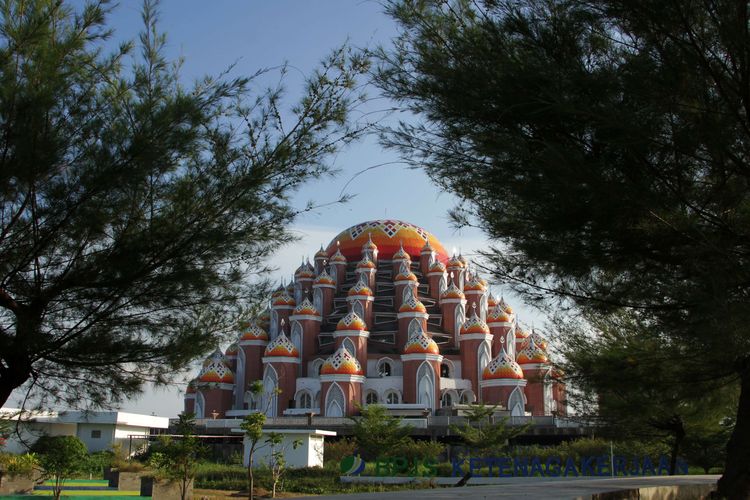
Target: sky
{"points": [[213, 35]]}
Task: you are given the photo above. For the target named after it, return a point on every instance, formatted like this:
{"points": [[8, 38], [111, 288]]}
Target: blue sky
{"points": [[212, 35]]}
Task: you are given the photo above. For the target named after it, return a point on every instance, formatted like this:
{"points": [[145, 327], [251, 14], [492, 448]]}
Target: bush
{"points": [[417, 449], [18, 465], [334, 451]]}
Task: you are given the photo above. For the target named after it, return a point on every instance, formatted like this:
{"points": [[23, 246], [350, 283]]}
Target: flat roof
{"points": [[87, 417]]}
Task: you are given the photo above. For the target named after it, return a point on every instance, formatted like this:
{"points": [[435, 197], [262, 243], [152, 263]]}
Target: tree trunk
{"points": [[735, 483], [250, 473], [679, 436]]}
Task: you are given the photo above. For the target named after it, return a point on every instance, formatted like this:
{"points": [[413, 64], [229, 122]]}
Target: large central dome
{"points": [[388, 235]]}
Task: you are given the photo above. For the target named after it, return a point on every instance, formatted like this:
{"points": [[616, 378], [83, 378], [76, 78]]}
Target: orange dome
{"points": [[284, 300], [412, 305], [324, 279], [388, 235], [456, 263], [421, 343], [475, 284], [216, 370], [503, 366], [401, 253], [521, 333], [369, 244], [321, 254], [532, 353], [281, 346], [505, 306], [341, 362], [360, 288], [452, 292], [264, 320], [538, 340], [491, 302], [427, 248], [437, 267], [351, 322], [253, 332], [474, 325], [498, 315], [365, 264], [338, 257], [306, 309]]}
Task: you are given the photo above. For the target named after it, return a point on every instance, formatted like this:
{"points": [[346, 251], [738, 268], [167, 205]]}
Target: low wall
{"points": [[15, 485], [681, 492]]}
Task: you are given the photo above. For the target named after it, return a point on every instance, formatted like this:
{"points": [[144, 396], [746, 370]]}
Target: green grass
{"points": [[89, 493]]}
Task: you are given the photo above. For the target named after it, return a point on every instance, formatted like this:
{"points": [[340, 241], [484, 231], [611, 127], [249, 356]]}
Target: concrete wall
{"points": [[308, 454]]}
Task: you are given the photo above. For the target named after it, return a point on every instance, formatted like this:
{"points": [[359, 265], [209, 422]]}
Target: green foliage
{"points": [[483, 432], [377, 433], [60, 457], [177, 458], [135, 204], [21, 465], [334, 451], [414, 449]]}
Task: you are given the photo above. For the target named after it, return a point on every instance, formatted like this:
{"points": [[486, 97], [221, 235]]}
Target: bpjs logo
{"points": [[352, 466], [391, 466]]}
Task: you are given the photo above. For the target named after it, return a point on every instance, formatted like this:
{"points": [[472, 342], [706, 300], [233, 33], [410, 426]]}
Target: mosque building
{"points": [[383, 315]]}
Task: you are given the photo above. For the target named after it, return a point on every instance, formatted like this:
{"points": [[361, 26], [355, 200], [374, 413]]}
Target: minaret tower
{"points": [[412, 317], [426, 258], [338, 268], [214, 387], [321, 257], [305, 330], [281, 362], [502, 383], [421, 370], [437, 279], [324, 288], [501, 328], [535, 364], [360, 300], [405, 279], [341, 379], [253, 341], [453, 308], [351, 332], [399, 259], [476, 349]]}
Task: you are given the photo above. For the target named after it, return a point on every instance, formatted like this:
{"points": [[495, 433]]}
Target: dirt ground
{"points": [[201, 494]]}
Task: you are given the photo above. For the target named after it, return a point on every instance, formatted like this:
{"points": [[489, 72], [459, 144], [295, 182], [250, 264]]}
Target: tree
{"points": [[177, 458], [480, 433], [252, 426], [136, 211], [60, 457], [605, 145], [377, 433], [277, 461]]}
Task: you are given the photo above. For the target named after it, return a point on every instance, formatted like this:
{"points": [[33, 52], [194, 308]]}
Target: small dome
{"points": [[306, 309], [491, 302], [463, 260], [421, 343], [284, 300], [341, 362], [452, 292], [232, 350], [412, 305], [538, 340], [253, 331], [407, 276], [503, 366], [216, 369], [401, 254], [264, 320], [304, 272], [365, 264], [324, 279], [321, 254], [521, 333], [369, 245], [191, 386], [474, 325], [281, 346], [474, 284], [360, 288], [498, 315], [532, 353], [456, 263], [437, 267], [427, 248], [278, 291], [338, 258], [505, 306], [351, 322]]}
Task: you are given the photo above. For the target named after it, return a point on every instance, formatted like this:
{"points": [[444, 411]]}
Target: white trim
{"points": [[305, 317], [214, 385], [452, 301], [283, 308], [475, 336], [412, 314], [323, 285], [259, 342], [341, 378], [496, 324], [474, 292], [405, 282], [535, 366], [422, 356], [367, 298], [190, 396], [350, 333], [302, 280], [280, 359], [503, 382]]}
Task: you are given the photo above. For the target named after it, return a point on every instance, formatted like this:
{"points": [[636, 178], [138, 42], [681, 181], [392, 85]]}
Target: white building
{"points": [[99, 430]]}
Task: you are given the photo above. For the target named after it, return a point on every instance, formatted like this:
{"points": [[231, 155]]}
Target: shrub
{"points": [[417, 449], [334, 451], [22, 465]]}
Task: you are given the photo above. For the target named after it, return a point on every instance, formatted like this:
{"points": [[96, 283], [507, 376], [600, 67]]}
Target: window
{"points": [[349, 346], [304, 400], [426, 385], [371, 398], [384, 369], [318, 300], [445, 370], [415, 328], [467, 397], [358, 309], [447, 400], [96, 434], [392, 398], [335, 403]]}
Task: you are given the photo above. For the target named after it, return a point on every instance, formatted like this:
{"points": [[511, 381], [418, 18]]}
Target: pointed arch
{"points": [[426, 385], [443, 284], [415, 327], [510, 343], [459, 319], [304, 399], [240, 381], [334, 274], [200, 405], [483, 306], [335, 403], [516, 403], [318, 300], [297, 292], [358, 309], [483, 359], [407, 294], [274, 330], [349, 346], [270, 398]]}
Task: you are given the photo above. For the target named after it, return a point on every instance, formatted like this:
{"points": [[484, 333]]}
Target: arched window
{"points": [[426, 386], [447, 400], [443, 284], [549, 399], [274, 324], [510, 344], [483, 359], [392, 398], [384, 368], [516, 403], [483, 307], [239, 379], [415, 327], [318, 300], [358, 309], [304, 400], [459, 319], [297, 337], [334, 274], [200, 405], [407, 294], [335, 404], [445, 370], [371, 398], [467, 397], [316, 367], [298, 292], [349, 346], [270, 398]]}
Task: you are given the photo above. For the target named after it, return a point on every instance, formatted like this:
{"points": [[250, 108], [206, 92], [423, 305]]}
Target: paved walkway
{"points": [[533, 488]]}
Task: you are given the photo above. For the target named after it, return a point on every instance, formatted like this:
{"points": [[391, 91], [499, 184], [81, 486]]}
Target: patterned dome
{"points": [[253, 332], [306, 309], [280, 290], [503, 366], [474, 284], [281, 346], [284, 300], [232, 350], [351, 322], [538, 340], [505, 306], [437, 267], [498, 315], [341, 362], [304, 272], [360, 288], [369, 244], [491, 302], [474, 325], [427, 248], [407, 276], [452, 292], [421, 343], [401, 253], [324, 279], [321, 254], [532, 353], [388, 235], [216, 369], [365, 264], [264, 320], [521, 333], [456, 263], [412, 305], [338, 258]]}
